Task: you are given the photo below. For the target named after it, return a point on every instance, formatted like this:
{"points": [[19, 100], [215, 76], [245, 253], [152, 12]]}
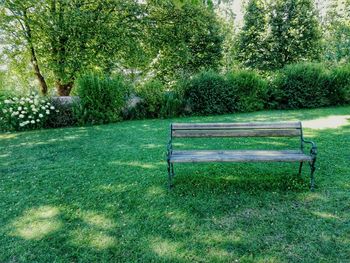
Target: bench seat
{"points": [[238, 156]]}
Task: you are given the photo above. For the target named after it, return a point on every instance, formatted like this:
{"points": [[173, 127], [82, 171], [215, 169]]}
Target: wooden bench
{"points": [[256, 129]]}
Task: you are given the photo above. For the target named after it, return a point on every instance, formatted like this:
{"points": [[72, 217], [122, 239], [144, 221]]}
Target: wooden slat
{"points": [[237, 133], [243, 125], [257, 152], [238, 156]]}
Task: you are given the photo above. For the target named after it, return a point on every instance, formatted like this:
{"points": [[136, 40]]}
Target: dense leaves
{"points": [[251, 43], [184, 40], [101, 98], [278, 34]]}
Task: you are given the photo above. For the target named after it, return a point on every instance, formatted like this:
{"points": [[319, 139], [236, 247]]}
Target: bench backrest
{"points": [[254, 129]]}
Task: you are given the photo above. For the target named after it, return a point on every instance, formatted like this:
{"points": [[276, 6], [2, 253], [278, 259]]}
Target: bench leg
{"points": [[172, 170], [300, 167], [170, 167], [312, 178]]}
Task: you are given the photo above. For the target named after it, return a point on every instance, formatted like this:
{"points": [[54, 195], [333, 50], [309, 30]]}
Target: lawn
{"points": [[99, 194]]}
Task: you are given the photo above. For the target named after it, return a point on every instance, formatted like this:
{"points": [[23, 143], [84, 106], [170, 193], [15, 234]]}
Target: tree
{"points": [[251, 43], [337, 31], [183, 39], [294, 32], [16, 24], [68, 37]]}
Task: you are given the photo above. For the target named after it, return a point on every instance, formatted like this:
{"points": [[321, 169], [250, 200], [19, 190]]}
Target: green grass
{"points": [[98, 194]]}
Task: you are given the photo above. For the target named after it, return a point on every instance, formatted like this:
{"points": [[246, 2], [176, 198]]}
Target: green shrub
{"points": [[249, 90], [302, 85], [211, 93], [152, 100], [172, 104], [101, 98], [151, 94], [339, 85], [208, 93], [25, 113]]}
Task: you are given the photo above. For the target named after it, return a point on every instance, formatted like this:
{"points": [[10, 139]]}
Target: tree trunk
{"points": [[39, 76], [33, 58], [64, 89]]}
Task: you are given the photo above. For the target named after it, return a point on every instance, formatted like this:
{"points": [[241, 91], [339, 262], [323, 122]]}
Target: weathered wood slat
{"points": [[243, 125], [257, 152], [237, 133], [238, 156]]}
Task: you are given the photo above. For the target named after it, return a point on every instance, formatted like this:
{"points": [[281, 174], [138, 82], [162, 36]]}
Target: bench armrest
{"points": [[313, 150]]}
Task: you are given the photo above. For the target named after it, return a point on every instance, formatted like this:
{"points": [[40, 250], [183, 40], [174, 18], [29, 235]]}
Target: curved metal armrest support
{"points": [[313, 151]]}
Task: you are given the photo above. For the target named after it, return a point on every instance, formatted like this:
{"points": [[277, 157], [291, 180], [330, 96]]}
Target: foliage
{"points": [[278, 34], [152, 99], [212, 93], [337, 32], [251, 43], [25, 113], [182, 40], [102, 98], [99, 194], [208, 93], [338, 86], [302, 85], [173, 104], [67, 37], [295, 32], [249, 89]]}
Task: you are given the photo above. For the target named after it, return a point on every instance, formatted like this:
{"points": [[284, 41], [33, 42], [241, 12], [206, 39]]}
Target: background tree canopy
{"points": [[50, 43]]}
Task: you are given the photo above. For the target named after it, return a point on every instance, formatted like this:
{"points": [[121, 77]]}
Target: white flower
{"points": [[21, 116], [22, 102], [32, 121], [30, 117], [46, 106], [4, 110], [8, 101], [10, 109], [27, 99], [30, 101], [19, 108], [16, 113], [23, 112], [52, 107], [22, 124], [57, 110], [40, 115], [37, 120], [43, 108], [34, 110], [42, 101], [36, 96], [15, 98], [47, 112]]}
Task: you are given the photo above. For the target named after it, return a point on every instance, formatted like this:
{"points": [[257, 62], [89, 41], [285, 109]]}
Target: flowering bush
{"points": [[24, 113]]}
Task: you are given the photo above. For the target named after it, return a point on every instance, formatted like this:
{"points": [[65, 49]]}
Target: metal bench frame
{"points": [[255, 129]]}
